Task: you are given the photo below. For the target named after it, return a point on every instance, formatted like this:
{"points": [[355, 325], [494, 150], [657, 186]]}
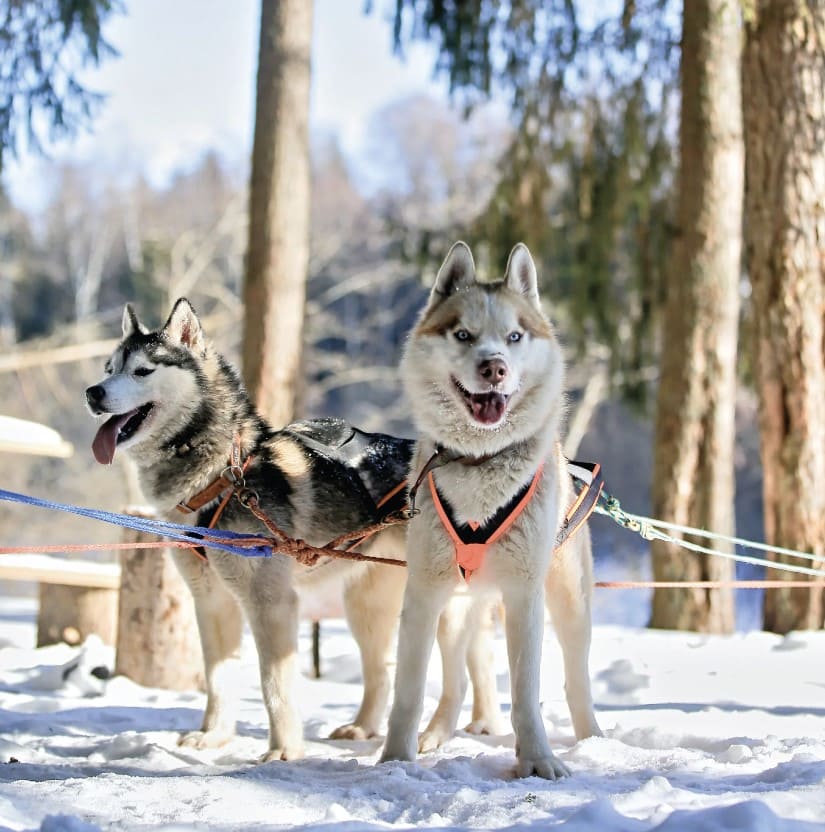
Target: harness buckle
{"points": [[234, 475]]}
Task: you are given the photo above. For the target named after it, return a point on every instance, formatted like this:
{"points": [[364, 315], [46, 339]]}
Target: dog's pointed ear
{"points": [[520, 275], [130, 322], [184, 328], [457, 272]]}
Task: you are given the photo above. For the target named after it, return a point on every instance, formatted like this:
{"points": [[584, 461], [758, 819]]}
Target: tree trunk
{"points": [[157, 635], [278, 251], [693, 480], [784, 107]]}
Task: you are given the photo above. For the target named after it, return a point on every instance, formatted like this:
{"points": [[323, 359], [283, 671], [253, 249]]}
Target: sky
{"points": [[185, 82]]}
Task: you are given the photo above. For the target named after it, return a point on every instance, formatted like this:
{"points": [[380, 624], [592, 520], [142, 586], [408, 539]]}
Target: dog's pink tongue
{"points": [[105, 441], [488, 408]]}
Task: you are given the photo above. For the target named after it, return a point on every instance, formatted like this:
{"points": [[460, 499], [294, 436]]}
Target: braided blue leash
{"points": [[223, 539]]}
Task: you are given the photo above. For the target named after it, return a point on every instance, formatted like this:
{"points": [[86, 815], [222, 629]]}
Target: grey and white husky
{"points": [[484, 377], [180, 411]]}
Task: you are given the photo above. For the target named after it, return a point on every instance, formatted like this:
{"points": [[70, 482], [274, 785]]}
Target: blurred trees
{"points": [[784, 105], [81, 225], [98, 245], [45, 45], [279, 209], [440, 173], [16, 254]]}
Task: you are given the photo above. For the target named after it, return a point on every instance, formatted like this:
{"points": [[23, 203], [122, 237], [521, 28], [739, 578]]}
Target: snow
{"points": [[701, 733]]}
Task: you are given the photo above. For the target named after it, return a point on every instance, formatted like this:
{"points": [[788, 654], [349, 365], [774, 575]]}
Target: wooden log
{"points": [[71, 613], [157, 643]]}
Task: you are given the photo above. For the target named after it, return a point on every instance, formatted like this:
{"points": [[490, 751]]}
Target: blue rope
{"points": [[224, 539]]}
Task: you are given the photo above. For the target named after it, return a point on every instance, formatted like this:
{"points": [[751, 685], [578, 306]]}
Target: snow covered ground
{"points": [[701, 733]]}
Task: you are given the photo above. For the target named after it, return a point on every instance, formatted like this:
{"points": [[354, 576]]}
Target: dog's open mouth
{"points": [[118, 429], [488, 408]]}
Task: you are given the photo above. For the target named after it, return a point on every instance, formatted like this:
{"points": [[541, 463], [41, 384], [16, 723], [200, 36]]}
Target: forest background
{"points": [[566, 126]]}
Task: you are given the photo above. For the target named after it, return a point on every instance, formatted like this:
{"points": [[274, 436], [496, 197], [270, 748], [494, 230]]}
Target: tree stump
{"points": [[157, 643], [71, 613]]}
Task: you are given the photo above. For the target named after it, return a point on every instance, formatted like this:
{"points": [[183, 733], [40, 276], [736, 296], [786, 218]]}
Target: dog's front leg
{"points": [[487, 718], [524, 627], [274, 623], [423, 602], [220, 627]]}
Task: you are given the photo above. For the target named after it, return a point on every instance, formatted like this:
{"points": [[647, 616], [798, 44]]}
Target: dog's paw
{"points": [[353, 731], [492, 725], [205, 739], [547, 766], [282, 754], [431, 739]]}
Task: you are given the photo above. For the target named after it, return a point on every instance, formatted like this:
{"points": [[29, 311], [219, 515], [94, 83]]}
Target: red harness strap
{"points": [[222, 486], [470, 556]]}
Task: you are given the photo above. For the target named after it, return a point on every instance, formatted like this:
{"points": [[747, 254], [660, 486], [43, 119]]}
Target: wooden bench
{"points": [[46, 569], [77, 597]]}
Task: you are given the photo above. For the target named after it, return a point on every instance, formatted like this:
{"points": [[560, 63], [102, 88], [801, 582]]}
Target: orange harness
{"points": [[472, 540]]}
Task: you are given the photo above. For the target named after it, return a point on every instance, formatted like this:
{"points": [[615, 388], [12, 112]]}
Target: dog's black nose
{"points": [[95, 394], [493, 370]]}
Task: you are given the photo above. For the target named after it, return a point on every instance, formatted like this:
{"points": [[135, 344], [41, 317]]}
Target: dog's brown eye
{"points": [[462, 335], [144, 371]]}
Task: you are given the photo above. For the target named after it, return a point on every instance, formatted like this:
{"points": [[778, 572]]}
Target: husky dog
{"points": [[180, 411], [484, 376]]}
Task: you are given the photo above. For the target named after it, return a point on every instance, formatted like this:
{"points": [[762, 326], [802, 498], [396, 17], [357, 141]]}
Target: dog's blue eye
{"points": [[144, 371], [514, 337], [462, 335]]}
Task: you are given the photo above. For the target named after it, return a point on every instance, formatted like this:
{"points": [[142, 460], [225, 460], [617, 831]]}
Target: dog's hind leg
{"points": [[487, 716], [220, 626], [373, 603], [454, 632], [464, 636], [569, 587]]}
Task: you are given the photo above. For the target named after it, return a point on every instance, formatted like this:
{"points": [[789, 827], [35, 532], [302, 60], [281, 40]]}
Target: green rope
{"points": [[651, 529]]}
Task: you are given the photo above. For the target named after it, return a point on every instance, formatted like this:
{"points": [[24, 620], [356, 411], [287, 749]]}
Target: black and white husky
{"points": [[484, 377], [178, 408]]}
